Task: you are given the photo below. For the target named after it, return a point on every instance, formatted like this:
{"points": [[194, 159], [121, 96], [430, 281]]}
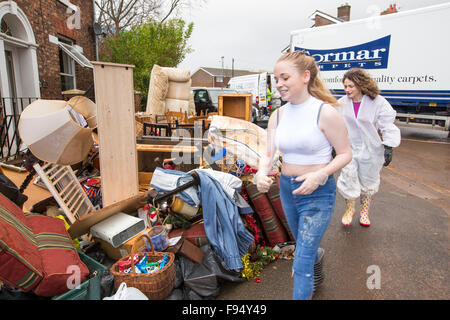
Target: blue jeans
{"points": [[308, 217]]}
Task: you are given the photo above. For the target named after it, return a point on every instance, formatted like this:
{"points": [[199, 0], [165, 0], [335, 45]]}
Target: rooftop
{"points": [[217, 72]]}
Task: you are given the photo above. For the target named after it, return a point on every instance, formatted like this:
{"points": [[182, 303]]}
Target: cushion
{"points": [[20, 260], [158, 86], [272, 226], [176, 105], [179, 90], [61, 264], [177, 74], [275, 200], [195, 234]]}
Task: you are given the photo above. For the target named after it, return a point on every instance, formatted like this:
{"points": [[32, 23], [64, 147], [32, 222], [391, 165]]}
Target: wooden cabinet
{"points": [[235, 105]]}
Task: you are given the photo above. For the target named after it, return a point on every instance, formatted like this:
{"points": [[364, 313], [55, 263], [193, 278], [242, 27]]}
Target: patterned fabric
{"points": [[349, 212], [252, 224], [272, 226], [275, 200], [365, 206], [20, 261], [58, 254]]}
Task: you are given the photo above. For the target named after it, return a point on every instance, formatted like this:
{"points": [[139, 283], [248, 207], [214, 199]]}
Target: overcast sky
{"points": [[254, 32]]}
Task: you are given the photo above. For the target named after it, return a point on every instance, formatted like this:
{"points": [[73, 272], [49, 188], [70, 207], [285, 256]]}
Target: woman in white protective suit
{"points": [[366, 114]]}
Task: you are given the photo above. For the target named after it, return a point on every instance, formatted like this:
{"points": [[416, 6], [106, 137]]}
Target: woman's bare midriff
{"points": [[289, 169]]}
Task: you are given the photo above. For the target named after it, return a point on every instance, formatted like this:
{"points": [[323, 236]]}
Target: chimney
{"points": [[344, 12], [392, 9]]}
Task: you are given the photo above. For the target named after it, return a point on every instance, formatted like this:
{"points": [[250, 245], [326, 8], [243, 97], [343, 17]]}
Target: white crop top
{"points": [[298, 136]]}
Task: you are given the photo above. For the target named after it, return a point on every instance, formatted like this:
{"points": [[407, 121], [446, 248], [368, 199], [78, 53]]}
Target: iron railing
{"points": [[10, 111]]}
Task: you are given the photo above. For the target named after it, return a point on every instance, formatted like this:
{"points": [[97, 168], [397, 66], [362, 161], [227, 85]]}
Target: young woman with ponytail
{"points": [[305, 130]]}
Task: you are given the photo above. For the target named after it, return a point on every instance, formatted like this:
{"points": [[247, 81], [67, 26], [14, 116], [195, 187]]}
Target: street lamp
{"points": [[223, 73]]}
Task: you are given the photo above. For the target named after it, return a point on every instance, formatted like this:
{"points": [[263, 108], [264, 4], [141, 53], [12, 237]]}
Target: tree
{"points": [[147, 44], [117, 15]]}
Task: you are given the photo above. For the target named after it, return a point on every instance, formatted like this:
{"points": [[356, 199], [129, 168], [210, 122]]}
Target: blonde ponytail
{"points": [[316, 87]]}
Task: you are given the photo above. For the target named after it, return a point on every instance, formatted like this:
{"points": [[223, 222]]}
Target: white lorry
{"points": [[405, 52], [256, 84]]}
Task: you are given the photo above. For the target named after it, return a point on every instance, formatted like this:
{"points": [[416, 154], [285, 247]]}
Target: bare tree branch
{"points": [[117, 15], [172, 7]]}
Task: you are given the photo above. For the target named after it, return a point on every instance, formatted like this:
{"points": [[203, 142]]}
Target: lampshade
{"points": [[55, 133]]}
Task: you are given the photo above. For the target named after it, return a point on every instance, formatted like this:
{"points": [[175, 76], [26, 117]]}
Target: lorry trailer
{"points": [[405, 52]]}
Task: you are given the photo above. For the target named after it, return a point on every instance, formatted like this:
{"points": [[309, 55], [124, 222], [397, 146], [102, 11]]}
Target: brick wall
{"points": [[225, 81], [49, 17], [344, 12], [204, 79], [321, 21], [201, 79]]}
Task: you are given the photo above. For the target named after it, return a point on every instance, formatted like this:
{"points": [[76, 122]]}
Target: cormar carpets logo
{"points": [[370, 55]]}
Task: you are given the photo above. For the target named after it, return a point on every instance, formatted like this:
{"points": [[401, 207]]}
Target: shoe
{"points": [[318, 269], [365, 207], [349, 212]]}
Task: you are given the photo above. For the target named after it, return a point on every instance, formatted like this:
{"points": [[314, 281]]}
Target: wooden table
{"points": [[166, 148]]}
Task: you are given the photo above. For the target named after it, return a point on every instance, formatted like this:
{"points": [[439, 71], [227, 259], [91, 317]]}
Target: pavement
{"points": [[406, 245], [403, 255]]}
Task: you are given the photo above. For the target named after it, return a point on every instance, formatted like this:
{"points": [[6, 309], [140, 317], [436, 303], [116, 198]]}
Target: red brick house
{"points": [[215, 77], [45, 49], [322, 19]]}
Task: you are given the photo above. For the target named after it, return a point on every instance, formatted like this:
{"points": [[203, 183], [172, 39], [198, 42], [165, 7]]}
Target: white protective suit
{"points": [[362, 174]]}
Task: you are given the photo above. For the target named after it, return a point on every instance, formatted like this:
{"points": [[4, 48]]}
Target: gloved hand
{"points": [[387, 155], [262, 182], [311, 182]]}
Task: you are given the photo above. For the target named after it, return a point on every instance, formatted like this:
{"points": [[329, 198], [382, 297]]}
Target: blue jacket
{"points": [[223, 225]]}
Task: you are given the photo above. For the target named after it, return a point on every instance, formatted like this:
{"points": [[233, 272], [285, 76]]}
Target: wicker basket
{"points": [[157, 285]]}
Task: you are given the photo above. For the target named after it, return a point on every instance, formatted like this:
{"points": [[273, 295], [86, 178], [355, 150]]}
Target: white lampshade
{"points": [[53, 134]]}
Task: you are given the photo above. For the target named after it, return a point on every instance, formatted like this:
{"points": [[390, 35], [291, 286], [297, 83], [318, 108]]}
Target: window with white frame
{"points": [[5, 28], [66, 66]]}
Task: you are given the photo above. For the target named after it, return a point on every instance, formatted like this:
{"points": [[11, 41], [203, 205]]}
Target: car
{"points": [[207, 98]]}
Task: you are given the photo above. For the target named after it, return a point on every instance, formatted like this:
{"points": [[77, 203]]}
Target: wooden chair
{"points": [[172, 116], [198, 126], [66, 189], [160, 118]]}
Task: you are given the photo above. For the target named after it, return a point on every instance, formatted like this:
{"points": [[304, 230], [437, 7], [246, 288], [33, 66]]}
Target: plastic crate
{"points": [[90, 289]]}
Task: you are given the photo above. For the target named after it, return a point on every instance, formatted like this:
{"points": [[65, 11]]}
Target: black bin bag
{"points": [[10, 190], [204, 279]]}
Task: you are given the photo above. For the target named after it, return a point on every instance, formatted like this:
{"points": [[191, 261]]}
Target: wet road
{"points": [[407, 244]]}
